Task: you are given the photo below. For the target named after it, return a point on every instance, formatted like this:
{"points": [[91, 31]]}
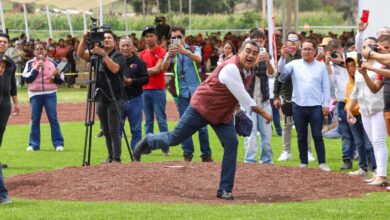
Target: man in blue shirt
{"points": [[186, 79], [311, 98]]}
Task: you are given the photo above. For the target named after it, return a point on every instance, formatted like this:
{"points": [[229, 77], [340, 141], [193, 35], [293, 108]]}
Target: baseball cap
{"points": [[325, 41], [149, 29]]}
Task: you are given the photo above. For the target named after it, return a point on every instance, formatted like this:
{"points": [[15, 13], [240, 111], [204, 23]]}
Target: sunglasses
{"points": [[177, 37]]}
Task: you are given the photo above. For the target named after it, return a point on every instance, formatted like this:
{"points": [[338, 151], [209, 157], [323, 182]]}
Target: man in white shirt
{"points": [[311, 98]]}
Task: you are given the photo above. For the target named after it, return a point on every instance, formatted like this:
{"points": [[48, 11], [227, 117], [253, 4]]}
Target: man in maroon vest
{"points": [[214, 103]]}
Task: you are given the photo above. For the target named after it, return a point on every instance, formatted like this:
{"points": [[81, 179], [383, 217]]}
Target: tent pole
{"points": [[189, 16], [2, 17], [69, 22], [84, 21], [126, 22], [101, 12], [270, 28], [25, 20], [49, 22]]}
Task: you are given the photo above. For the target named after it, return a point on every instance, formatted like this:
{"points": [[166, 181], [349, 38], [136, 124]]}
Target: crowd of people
{"points": [[312, 73]]}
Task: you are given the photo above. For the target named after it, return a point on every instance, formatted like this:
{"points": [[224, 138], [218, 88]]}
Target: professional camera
{"points": [[374, 47], [334, 54], [157, 20], [96, 34]]}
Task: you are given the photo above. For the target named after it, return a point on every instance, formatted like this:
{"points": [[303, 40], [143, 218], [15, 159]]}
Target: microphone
{"points": [[41, 57]]}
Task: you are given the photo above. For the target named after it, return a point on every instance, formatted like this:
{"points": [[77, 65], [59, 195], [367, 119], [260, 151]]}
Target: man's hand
{"points": [[362, 26], [267, 117], [16, 109], [277, 103], [264, 57], [127, 81], [172, 51], [97, 50], [325, 111], [367, 66], [328, 58], [284, 51]]}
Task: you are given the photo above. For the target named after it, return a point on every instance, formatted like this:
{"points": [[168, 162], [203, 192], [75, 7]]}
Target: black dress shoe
{"points": [[347, 165], [222, 194], [141, 148], [187, 157], [4, 165], [207, 159]]}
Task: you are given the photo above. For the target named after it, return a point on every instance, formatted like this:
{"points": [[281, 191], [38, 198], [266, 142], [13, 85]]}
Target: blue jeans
{"points": [[276, 118], [154, 104], [363, 144], [265, 130], [191, 122], [347, 139], [303, 116], [3, 189], [187, 145], [49, 101], [132, 109]]}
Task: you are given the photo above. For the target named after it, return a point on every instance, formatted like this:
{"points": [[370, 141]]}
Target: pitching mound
{"points": [[184, 182]]}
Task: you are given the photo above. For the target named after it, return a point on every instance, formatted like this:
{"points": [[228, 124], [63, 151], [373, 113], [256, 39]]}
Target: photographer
{"points": [[162, 28], [184, 61], [110, 75], [334, 62]]}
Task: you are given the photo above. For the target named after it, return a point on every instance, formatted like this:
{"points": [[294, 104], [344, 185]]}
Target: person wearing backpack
{"points": [[185, 60]]}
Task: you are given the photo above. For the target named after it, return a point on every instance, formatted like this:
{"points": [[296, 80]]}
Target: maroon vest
{"points": [[213, 100]]}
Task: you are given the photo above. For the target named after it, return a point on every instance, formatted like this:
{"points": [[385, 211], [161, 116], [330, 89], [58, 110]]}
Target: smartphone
{"points": [[175, 41], [263, 50], [320, 50], [364, 17]]}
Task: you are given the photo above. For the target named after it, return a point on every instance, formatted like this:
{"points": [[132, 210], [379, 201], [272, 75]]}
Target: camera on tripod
{"points": [[157, 20], [96, 34]]}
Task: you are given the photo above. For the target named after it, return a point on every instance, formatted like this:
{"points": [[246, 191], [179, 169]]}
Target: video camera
{"points": [[374, 47], [96, 34], [157, 20]]}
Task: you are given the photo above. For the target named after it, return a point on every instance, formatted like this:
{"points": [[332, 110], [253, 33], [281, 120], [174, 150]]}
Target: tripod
{"points": [[94, 70]]}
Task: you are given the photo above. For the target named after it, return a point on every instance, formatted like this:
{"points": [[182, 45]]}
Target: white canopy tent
{"points": [[81, 5]]}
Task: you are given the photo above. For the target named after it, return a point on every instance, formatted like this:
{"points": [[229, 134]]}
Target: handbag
{"points": [[287, 108], [243, 124]]}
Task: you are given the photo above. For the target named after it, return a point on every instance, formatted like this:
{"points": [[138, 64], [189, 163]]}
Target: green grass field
{"points": [[374, 205]]}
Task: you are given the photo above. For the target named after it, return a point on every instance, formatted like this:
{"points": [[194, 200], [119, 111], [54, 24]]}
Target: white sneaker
{"points": [[284, 156], [310, 157], [59, 148], [29, 149], [302, 165], [359, 172], [324, 167]]}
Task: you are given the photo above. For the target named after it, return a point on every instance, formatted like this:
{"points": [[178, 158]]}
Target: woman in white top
{"points": [[371, 108], [228, 51]]}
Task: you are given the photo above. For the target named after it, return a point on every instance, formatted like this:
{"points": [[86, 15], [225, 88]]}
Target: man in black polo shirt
{"points": [[135, 76]]}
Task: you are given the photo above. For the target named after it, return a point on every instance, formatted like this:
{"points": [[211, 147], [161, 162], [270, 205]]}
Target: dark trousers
{"points": [[276, 118], [5, 112], [110, 122], [3, 189], [191, 122], [303, 116]]}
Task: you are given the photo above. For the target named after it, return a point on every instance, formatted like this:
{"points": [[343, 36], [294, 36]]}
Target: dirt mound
{"points": [[74, 112], [184, 182]]}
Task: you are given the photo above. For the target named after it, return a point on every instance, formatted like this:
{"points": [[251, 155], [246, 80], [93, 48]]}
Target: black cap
{"points": [[149, 29]]}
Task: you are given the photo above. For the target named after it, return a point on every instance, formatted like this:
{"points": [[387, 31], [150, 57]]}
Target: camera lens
{"points": [[333, 54]]}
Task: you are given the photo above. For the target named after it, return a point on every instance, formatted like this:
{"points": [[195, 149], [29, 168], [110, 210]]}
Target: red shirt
{"points": [[379, 77], [150, 57]]}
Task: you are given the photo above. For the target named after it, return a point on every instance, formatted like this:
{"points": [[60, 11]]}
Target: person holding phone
{"points": [[282, 98], [184, 60], [259, 90], [339, 77]]}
